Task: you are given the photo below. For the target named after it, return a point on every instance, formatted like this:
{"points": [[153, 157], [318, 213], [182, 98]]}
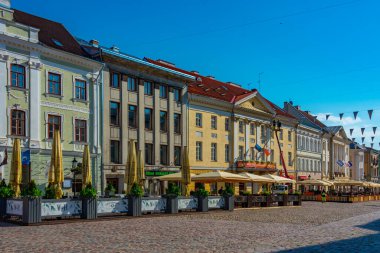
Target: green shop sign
{"points": [[158, 173]]}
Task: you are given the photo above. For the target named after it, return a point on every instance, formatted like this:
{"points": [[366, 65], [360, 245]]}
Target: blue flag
{"points": [[25, 157], [257, 146], [340, 163]]}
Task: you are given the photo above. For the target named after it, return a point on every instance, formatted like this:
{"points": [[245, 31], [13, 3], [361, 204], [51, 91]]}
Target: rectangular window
{"points": [[252, 128], [80, 89], [227, 124], [263, 132], [177, 123], [226, 152], [115, 80], [198, 153], [114, 113], [115, 152], [214, 122], [54, 84], [164, 154], [213, 152], [241, 126], [281, 135], [132, 116], [132, 84], [163, 91], [54, 123], [80, 130], [148, 88], [252, 153], [149, 153], [17, 122], [198, 119], [177, 156], [18, 76], [290, 159], [177, 95], [148, 113], [163, 121], [241, 153], [289, 135]]}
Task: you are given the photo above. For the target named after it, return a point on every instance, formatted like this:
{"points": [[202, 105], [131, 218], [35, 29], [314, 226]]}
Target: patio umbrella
{"points": [[140, 168], [131, 166], [86, 168], [315, 182], [219, 176], [280, 180], [173, 177], [16, 171], [347, 182], [56, 163], [186, 175], [257, 179]]}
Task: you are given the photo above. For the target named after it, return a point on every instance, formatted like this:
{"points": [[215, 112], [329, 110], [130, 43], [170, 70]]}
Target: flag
{"points": [[5, 159], [355, 115], [351, 131], [25, 157], [373, 137], [363, 138], [353, 139], [266, 152], [349, 163], [362, 130], [258, 148], [374, 130], [370, 113], [371, 145], [327, 116], [340, 163], [341, 116]]}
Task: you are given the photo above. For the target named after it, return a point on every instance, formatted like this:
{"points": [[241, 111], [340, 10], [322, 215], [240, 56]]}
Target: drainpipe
{"points": [[100, 128]]}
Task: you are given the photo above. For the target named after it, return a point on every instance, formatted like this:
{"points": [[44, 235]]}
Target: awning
{"points": [[219, 176]]}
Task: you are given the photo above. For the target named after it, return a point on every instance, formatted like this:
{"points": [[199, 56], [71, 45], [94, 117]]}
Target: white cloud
{"points": [[335, 120]]}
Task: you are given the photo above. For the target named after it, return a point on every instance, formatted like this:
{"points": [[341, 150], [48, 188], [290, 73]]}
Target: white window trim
{"points": [[87, 130], [46, 124], [9, 130], [87, 89], [21, 62], [47, 94]]}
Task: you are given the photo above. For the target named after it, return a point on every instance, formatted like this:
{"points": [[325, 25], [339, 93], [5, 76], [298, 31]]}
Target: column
{"points": [[140, 117], [3, 97], [35, 98], [246, 139], [171, 125], [184, 117], [157, 137], [124, 130], [235, 146]]}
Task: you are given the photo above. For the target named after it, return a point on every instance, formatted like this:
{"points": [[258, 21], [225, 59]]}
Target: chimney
{"points": [[291, 102], [211, 77], [308, 112], [115, 49], [298, 107], [195, 72], [94, 43], [5, 3]]}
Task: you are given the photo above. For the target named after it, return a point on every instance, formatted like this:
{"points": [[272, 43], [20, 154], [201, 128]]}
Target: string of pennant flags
{"points": [[355, 113]]}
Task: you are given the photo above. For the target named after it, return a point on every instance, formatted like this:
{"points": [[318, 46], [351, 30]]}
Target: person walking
{"points": [[323, 195]]}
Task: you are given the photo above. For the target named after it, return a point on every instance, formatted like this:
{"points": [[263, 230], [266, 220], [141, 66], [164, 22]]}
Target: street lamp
{"points": [[276, 127], [74, 170]]}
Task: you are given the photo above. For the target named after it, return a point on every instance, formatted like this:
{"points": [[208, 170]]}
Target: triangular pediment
{"points": [[255, 102]]}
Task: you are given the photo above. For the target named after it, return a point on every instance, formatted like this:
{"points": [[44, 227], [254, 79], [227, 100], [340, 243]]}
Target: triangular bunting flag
{"points": [[327, 116], [363, 138], [371, 145], [373, 137], [353, 139], [355, 115], [341, 116], [374, 130], [370, 113], [351, 131], [362, 130]]}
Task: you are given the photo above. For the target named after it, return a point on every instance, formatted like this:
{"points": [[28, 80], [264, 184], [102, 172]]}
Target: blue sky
{"points": [[324, 55]]}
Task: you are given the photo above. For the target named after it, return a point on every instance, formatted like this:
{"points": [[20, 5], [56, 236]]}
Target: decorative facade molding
{"points": [[65, 107]]}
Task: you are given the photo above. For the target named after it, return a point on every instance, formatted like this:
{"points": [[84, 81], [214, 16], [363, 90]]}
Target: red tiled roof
{"points": [[210, 87], [312, 119], [280, 111], [50, 30]]}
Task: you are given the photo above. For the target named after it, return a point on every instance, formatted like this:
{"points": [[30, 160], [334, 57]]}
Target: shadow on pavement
{"points": [[368, 243]]}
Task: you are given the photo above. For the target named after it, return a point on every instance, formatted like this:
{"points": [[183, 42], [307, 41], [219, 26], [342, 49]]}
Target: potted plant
{"points": [[171, 196], [50, 192], [268, 199], [110, 190], [5, 192], [229, 199], [89, 203], [31, 196], [202, 196], [298, 194], [134, 200]]}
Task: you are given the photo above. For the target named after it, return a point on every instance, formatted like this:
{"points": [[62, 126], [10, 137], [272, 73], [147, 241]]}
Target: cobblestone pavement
{"points": [[314, 227]]}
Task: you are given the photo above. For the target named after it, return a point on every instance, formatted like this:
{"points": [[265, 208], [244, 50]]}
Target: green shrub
{"points": [[31, 190], [5, 190], [88, 192], [173, 190], [244, 193], [110, 188], [229, 191], [136, 190], [297, 192], [266, 193], [50, 192]]}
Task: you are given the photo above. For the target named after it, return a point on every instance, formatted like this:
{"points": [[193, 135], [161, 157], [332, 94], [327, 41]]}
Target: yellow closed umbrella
{"points": [[140, 168], [56, 163], [86, 168], [16, 166], [130, 176], [173, 177], [185, 170]]}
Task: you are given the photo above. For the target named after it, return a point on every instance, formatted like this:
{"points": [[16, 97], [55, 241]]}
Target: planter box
{"points": [[297, 201], [202, 204], [241, 201], [171, 205], [229, 203], [89, 208], [31, 210], [134, 206], [285, 200], [110, 194], [3, 207]]}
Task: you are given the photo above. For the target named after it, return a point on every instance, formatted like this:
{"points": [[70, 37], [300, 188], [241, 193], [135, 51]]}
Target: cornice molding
{"points": [[65, 107]]}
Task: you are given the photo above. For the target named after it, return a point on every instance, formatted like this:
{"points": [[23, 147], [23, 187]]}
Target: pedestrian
{"points": [[220, 192], [323, 195]]}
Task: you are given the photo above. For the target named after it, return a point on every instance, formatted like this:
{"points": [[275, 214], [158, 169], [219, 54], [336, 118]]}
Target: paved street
{"points": [[314, 227]]}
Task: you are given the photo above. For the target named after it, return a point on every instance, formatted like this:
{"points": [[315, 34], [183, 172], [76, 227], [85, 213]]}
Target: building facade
{"points": [[371, 165], [340, 153], [47, 83], [357, 160]]}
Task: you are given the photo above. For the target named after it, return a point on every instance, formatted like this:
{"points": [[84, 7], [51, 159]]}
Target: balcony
{"points": [[256, 166]]}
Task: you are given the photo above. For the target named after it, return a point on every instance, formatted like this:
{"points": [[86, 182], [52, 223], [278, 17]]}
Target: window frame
{"points": [[118, 152], [179, 99], [177, 160], [177, 128], [132, 87], [214, 152], [151, 90], [113, 73], [81, 134], [76, 80], [227, 124], [118, 114], [198, 120], [149, 146], [214, 122], [252, 129], [163, 96], [48, 124], [227, 153], [18, 74], [55, 82], [164, 148], [135, 115], [199, 151], [18, 121], [150, 127], [241, 126], [165, 128]]}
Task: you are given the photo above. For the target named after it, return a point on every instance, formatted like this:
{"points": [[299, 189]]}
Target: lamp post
{"points": [[74, 170], [276, 127]]}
